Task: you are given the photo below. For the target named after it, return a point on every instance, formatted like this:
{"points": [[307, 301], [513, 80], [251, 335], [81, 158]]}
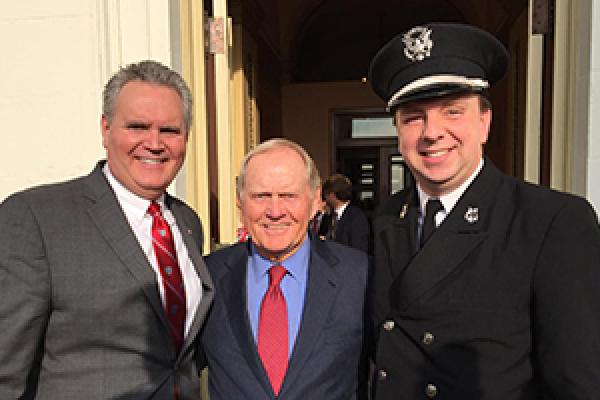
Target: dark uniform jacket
{"points": [[502, 302]]}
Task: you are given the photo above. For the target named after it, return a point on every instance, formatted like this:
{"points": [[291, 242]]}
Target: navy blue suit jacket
{"points": [[326, 362], [352, 229]]}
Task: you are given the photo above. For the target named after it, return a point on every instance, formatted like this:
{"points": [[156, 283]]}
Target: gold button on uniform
{"points": [[389, 325], [381, 375], [427, 338], [431, 390]]}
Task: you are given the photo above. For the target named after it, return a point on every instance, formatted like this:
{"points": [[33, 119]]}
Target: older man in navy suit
{"points": [[287, 321]]}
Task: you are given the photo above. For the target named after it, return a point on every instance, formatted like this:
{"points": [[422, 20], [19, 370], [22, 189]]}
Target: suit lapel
{"points": [[340, 226], [106, 213], [233, 289], [398, 234], [193, 249], [321, 292], [461, 232]]}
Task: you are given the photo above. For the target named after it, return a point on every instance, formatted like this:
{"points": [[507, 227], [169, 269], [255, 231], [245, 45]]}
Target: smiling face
{"points": [[277, 202], [442, 140], [145, 141]]}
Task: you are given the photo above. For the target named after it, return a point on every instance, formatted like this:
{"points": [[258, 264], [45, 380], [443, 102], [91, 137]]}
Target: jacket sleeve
{"points": [[24, 296], [566, 305]]}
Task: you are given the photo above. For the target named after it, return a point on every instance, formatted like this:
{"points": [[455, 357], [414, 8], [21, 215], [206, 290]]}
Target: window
{"points": [[372, 127]]}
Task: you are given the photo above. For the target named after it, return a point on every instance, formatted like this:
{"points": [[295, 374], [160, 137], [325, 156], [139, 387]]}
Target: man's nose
{"points": [[154, 140], [433, 127], [274, 208]]}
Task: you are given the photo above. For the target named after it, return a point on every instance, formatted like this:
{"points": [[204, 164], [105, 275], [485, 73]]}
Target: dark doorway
{"points": [[365, 151], [334, 41]]}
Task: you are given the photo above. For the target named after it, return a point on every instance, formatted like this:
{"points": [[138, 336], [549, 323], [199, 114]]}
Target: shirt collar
{"points": [[449, 200], [340, 210], [137, 207], [296, 264]]}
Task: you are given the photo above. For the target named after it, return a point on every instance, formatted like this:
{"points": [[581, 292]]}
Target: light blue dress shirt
{"points": [[293, 286]]}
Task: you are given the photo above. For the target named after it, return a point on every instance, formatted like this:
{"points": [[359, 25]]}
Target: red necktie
{"points": [[273, 330], [174, 291]]}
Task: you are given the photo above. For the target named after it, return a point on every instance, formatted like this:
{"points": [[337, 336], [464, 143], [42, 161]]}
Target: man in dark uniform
{"points": [[485, 287]]}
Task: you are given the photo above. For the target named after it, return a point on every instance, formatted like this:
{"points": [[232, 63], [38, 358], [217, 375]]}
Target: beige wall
{"points": [[56, 56], [50, 78], [593, 130], [309, 122]]}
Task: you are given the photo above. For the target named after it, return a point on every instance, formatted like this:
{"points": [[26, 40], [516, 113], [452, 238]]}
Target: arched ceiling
{"points": [[333, 40]]}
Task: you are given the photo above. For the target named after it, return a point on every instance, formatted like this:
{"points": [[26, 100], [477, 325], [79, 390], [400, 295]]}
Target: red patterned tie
{"points": [[273, 330], [174, 291]]}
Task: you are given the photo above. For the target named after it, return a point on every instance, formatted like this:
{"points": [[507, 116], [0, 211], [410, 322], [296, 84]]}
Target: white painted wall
{"points": [[593, 156], [56, 57]]}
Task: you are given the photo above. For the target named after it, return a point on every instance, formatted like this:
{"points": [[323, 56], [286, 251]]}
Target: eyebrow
{"points": [[420, 105], [137, 125], [169, 129], [146, 125], [441, 101]]}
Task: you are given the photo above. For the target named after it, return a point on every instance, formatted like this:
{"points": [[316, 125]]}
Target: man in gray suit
{"points": [[90, 267], [287, 321]]}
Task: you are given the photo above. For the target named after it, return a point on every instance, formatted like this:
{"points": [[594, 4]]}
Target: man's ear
{"points": [[316, 203], [105, 128], [238, 202], [486, 124]]}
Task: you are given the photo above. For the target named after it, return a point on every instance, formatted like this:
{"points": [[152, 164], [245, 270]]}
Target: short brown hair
{"points": [[340, 185]]}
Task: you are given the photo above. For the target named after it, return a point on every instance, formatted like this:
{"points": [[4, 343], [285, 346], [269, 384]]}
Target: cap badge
{"points": [[417, 43], [472, 215], [403, 211]]}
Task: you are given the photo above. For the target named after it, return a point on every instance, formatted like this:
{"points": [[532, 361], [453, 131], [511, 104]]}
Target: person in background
{"points": [[317, 225], [288, 317], [103, 285], [485, 287], [347, 223]]}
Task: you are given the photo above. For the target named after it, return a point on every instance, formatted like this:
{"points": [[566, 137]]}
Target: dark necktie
{"points": [[332, 225], [316, 221], [174, 291], [273, 330], [432, 207]]}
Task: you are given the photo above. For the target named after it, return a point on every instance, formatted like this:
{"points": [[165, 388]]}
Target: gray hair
{"points": [[312, 173], [147, 71]]}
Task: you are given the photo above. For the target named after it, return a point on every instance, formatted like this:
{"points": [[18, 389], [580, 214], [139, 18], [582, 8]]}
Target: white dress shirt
{"points": [[340, 210], [448, 200], [135, 209]]}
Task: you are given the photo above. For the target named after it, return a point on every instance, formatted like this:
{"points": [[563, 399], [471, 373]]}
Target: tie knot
{"points": [[276, 274], [433, 206], [154, 209]]}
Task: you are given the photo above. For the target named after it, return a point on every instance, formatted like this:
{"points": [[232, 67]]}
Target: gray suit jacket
{"points": [[80, 311], [326, 362]]}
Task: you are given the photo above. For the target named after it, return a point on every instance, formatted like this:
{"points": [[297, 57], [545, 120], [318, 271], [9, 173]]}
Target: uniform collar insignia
{"points": [[417, 43], [403, 211], [472, 215]]}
